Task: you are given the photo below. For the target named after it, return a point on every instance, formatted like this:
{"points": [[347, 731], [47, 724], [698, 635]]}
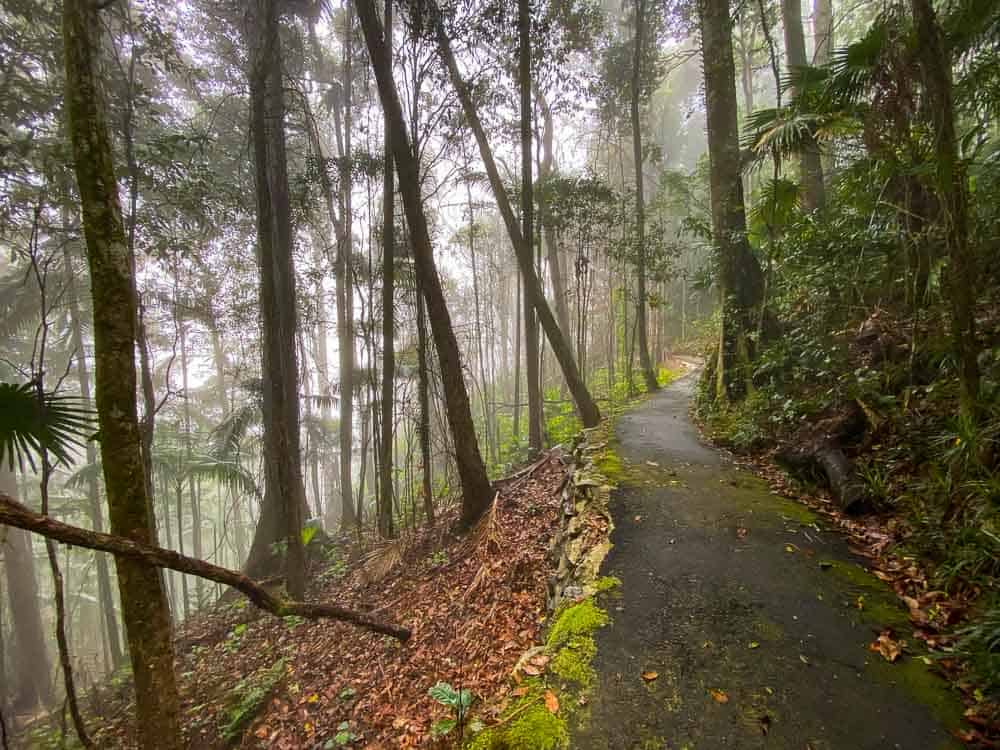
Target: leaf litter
{"points": [[472, 617]]}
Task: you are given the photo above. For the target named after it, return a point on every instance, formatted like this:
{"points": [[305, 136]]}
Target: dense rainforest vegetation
{"points": [[283, 282]]}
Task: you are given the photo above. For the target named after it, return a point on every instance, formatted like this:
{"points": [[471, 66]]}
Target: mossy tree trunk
{"points": [[144, 602], [953, 194], [740, 278]]}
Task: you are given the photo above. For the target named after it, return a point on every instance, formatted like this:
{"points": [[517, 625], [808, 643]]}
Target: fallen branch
{"points": [[12, 513]]}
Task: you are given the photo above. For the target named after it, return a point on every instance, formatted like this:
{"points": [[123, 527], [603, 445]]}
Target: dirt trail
{"points": [[728, 588]]}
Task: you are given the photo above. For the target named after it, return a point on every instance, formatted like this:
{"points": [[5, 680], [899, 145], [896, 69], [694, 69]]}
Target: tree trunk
{"points": [[823, 31], [739, 273], [423, 396], [810, 166], [590, 415], [546, 171], [645, 363], [385, 525], [345, 297], [30, 664], [953, 193], [531, 348], [144, 604], [476, 489], [284, 488]]}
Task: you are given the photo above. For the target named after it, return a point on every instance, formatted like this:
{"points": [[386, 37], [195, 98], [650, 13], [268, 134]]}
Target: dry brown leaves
{"points": [[472, 616]]}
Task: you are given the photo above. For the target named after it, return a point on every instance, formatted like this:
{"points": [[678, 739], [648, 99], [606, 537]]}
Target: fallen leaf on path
{"points": [[885, 645], [649, 675], [551, 702], [804, 660], [741, 532], [719, 696], [753, 644], [790, 548]]}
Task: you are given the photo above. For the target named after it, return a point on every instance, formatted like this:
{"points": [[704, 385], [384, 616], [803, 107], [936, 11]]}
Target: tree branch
{"points": [[12, 513]]}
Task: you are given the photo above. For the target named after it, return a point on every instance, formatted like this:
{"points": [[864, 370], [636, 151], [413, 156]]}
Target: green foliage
{"points": [[979, 645], [247, 697], [344, 736]]}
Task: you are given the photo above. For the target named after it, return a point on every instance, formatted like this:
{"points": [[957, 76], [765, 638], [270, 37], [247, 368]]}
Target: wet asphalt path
{"points": [[728, 588]]}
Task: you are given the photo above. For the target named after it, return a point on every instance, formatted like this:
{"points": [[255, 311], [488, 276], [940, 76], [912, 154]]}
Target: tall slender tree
{"points": [[590, 415], [385, 523], [143, 598], [476, 489], [645, 362], [531, 348], [810, 165]]}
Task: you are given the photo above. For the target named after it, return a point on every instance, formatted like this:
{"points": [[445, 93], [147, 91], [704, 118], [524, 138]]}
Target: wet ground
{"points": [[755, 618]]}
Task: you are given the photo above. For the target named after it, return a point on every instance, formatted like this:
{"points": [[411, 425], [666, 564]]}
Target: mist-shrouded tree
{"points": [[143, 598], [589, 412], [810, 164], [284, 492], [635, 97]]}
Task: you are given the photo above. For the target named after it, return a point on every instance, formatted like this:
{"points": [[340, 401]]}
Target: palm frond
{"points": [[82, 477], [28, 425], [228, 474], [776, 204], [228, 435]]}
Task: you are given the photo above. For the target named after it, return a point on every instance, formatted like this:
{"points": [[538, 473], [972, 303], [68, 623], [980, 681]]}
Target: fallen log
{"points": [[817, 447], [836, 467], [12, 513]]}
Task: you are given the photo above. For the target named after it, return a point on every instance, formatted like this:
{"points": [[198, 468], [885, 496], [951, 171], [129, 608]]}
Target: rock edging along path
{"points": [[750, 620]]}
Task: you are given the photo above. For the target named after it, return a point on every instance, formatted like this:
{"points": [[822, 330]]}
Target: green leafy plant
{"points": [[344, 736], [458, 701], [247, 697]]}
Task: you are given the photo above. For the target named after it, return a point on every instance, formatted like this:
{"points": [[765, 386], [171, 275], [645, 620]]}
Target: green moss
{"points": [[578, 620], [572, 661], [606, 583], [531, 727], [923, 686]]}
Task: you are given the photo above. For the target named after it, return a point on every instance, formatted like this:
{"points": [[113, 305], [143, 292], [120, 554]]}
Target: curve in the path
{"points": [[755, 618]]}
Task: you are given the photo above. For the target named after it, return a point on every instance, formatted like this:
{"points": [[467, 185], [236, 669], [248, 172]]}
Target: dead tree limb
{"points": [[12, 513]]}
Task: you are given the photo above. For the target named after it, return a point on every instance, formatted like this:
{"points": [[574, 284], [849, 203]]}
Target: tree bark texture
{"points": [[283, 486]]}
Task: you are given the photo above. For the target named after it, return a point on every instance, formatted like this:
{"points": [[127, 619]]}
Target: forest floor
{"points": [[475, 604], [744, 619]]}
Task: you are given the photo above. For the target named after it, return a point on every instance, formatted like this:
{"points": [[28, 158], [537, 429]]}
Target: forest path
{"points": [[728, 588]]}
